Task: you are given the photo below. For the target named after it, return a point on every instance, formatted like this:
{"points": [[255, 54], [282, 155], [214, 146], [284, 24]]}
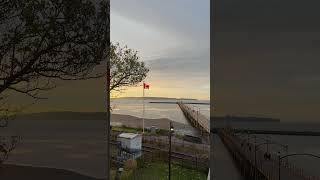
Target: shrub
{"points": [[130, 164]]}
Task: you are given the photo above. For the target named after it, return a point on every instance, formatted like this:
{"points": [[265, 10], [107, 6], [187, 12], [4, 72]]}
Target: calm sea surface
{"points": [[134, 107]]}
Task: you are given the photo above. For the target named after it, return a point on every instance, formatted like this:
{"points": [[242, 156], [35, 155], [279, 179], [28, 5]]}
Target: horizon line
{"points": [[157, 97]]}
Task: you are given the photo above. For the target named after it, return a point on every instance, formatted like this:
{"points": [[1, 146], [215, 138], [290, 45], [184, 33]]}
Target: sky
{"points": [[172, 37], [266, 56], [266, 59]]}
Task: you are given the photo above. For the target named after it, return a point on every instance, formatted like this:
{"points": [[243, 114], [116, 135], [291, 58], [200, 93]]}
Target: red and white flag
{"points": [[146, 86]]}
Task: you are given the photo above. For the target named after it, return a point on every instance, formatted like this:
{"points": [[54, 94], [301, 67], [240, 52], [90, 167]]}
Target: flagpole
{"points": [[143, 109]]}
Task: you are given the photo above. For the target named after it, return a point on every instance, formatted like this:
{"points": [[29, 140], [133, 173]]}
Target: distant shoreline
{"points": [[127, 120], [155, 98]]}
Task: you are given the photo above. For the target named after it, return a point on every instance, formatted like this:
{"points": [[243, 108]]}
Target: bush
{"points": [[130, 164]]}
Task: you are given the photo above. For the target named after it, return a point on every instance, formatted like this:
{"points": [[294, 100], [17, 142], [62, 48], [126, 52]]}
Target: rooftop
{"points": [[128, 135]]}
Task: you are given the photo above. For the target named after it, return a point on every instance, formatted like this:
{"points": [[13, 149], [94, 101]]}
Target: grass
{"points": [[138, 130], [126, 129], [161, 132], [159, 171]]}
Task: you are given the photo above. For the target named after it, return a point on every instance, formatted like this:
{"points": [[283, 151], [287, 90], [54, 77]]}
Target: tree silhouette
{"points": [[44, 41], [125, 67]]}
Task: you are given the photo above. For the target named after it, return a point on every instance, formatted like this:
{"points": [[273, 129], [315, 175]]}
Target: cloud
{"points": [[267, 58], [172, 37], [182, 18]]}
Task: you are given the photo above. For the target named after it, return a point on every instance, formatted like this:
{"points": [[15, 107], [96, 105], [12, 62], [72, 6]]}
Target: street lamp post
{"points": [[255, 157], [170, 134], [257, 146], [248, 138], [287, 151], [267, 144], [279, 163]]}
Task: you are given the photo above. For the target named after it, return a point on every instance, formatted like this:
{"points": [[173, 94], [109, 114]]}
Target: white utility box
{"points": [[130, 141]]}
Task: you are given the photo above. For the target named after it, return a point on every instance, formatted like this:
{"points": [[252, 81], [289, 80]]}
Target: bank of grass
{"points": [[159, 171], [126, 129], [138, 130]]}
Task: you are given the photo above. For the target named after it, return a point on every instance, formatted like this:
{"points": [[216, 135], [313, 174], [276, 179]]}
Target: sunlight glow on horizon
{"points": [[161, 92]]}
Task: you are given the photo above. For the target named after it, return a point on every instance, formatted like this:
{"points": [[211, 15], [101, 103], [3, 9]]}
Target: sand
{"points": [[135, 122]]}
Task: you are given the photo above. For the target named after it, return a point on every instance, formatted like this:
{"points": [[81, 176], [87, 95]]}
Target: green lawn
{"points": [[159, 171], [139, 130], [126, 129]]}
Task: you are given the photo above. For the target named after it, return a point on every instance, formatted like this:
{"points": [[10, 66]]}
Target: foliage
{"points": [[7, 144], [42, 41], [126, 68]]}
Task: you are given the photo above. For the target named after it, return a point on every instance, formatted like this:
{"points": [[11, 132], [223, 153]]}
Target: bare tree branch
{"points": [[53, 39], [126, 68]]}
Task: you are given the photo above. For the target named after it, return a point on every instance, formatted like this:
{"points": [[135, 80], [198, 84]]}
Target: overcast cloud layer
{"points": [[267, 59], [173, 38]]}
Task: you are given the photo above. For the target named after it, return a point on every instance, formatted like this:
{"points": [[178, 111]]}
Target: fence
{"points": [[251, 161], [178, 144]]}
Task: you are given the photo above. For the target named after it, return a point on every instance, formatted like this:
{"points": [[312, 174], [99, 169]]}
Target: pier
{"points": [[257, 164], [273, 132], [173, 102], [196, 119]]}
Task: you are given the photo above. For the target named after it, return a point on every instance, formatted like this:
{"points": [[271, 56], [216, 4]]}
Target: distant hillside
{"points": [[154, 98], [64, 115], [244, 119]]}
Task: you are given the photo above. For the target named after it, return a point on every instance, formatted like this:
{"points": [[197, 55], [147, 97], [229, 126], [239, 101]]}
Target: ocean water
{"points": [[134, 107]]}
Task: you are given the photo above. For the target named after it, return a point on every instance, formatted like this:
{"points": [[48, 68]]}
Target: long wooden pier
{"points": [[255, 165], [198, 120], [273, 132], [173, 102]]}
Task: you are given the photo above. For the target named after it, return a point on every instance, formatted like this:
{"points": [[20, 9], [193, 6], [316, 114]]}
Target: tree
{"points": [[46, 40], [43, 41], [126, 69]]}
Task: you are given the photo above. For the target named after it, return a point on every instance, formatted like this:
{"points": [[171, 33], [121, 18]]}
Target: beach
{"points": [[162, 123]]}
